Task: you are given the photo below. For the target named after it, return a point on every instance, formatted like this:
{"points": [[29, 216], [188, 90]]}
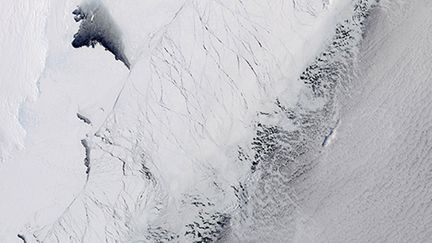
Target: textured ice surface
{"points": [[373, 184], [238, 121]]}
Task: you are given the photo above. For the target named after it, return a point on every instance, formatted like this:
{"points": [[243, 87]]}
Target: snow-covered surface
{"points": [[219, 130], [373, 184]]}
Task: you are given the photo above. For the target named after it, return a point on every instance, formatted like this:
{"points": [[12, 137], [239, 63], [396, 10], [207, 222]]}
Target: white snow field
{"points": [[236, 121], [373, 183]]}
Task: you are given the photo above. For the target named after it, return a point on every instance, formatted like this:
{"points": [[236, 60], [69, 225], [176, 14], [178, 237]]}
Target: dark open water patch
{"points": [[97, 26]]}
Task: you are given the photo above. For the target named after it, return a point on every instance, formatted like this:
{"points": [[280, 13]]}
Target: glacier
{"points": [[230, 121]]}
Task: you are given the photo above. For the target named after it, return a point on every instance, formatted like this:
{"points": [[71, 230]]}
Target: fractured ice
{"points": [[223, 128]]}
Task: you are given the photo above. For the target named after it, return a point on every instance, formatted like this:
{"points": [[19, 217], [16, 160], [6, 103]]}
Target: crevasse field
{"points": [[221, 121]]}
